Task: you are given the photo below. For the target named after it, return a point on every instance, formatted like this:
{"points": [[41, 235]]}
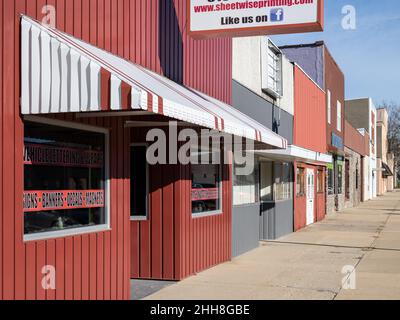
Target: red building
{"points": [[74, 148], [320, 65], [309, 134]]}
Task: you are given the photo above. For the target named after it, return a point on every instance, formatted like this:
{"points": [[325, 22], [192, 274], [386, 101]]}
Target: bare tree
{"points": [[393, 110]]}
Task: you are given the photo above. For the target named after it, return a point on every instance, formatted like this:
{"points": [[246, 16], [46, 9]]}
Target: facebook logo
{"points": [[277, 15]]}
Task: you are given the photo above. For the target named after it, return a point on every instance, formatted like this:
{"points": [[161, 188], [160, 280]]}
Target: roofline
{"points": [[319, 43], [304, 45], [306, 74]]}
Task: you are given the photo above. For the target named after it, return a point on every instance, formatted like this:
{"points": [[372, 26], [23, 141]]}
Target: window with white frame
{"points": [[283, 186], [339, 116], [206, 182], [266, 181], [65, 178], [329, 106], [271, 69], [245, 187]]}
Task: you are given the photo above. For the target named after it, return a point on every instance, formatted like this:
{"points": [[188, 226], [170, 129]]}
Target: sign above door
{"points": [[236, 18]]}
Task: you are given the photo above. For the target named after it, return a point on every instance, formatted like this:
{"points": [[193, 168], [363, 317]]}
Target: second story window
{"points": [[339, 116], [329, 106], [271, 69]]}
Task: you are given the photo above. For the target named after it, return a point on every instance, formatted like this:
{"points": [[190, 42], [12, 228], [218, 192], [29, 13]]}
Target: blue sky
{"points": [[369, 55]]}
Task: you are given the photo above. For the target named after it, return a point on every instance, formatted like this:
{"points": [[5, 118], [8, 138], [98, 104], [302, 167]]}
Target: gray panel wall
{"points": [[245, 220], [276, 219], [263, 111], [310, 59], [357, 113]]}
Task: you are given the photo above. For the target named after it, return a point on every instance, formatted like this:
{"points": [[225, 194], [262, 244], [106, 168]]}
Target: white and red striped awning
{"points": [[60, 74]]}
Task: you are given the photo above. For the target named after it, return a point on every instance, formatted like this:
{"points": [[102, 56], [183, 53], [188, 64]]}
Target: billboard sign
{"points": [[235, 18]]}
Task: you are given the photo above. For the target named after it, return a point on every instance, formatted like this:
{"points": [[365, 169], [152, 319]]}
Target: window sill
{"points": [[139, 218], [65, 233], [206, 214]]}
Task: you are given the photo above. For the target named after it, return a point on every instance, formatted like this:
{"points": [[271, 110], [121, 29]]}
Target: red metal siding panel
{"points": [[135, 250], [85, 267], [50, 261], [100, 266], [77, 18], [114, 206], [86, 21], [120, 214], [156, 222], [77, 268], [30, 265], [18, 146], [69, 269], [1, 146], [8, 181], [93, 267], [309, 114], [321, 207], [127, 215], [60, 269], [145, 250], [354, 140], [40, 263], [334, 81], [98, 21], [168, 222]]}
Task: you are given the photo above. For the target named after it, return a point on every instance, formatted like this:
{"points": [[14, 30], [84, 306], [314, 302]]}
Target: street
{"points": [[312, 263]]}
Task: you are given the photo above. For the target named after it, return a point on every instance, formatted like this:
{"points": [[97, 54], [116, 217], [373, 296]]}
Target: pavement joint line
{"points": [[365, 248], [306, 289]]}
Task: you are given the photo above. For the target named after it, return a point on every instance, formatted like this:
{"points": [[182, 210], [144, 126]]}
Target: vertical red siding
{"points": [[98, 266], [354, 140], [309, 113], [172, 244], [334, 81], [1, 145]]}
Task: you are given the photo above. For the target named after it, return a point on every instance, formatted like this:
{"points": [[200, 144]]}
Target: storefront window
{"points": [[266, 181], [282, 181], [320, 182], [245, 187], [300, 182], [206, 186], [64, 178], [331, 185], [139, 182], [339, 179]]}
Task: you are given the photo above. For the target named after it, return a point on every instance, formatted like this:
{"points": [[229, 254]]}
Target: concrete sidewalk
{"points": [[309, 264]]}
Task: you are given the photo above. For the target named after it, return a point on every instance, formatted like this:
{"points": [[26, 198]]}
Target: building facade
{"points": [[263, 202], [80, 98], [310, 134], [316, 60], [361, 114], [384, 170], [356, 149]]}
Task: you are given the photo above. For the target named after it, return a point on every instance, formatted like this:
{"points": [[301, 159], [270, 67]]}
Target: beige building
{"points": [[384, 171]]}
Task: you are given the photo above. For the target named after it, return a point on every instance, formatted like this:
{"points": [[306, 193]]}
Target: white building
{"points": [[361, 114]]}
